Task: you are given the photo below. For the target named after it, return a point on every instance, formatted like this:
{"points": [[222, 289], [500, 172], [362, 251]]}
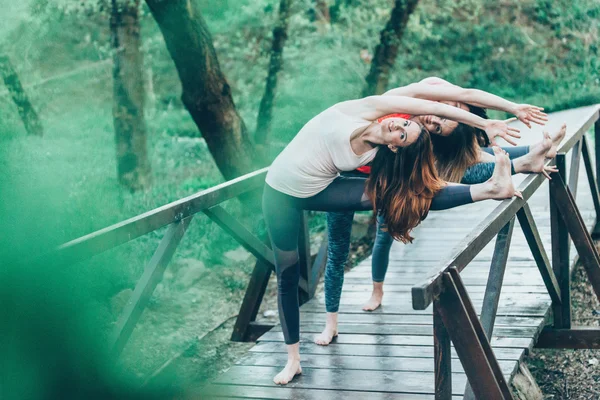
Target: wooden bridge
{"points": [[446, 294]]}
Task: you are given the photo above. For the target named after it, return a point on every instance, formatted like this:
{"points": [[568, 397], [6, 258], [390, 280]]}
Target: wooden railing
{"points": [[455, 319], [177, 216]]}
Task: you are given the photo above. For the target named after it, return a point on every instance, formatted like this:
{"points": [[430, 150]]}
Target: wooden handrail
{"points": [[132, 228]]}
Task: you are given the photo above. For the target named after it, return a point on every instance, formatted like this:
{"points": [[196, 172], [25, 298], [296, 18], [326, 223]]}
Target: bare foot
{"points": [[292, 368], [536, 158], [501, 184], [375, 300], [325, 337], [556, 139]]}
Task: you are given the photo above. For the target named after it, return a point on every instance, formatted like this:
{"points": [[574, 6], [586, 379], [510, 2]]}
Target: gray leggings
{"points": [[339, 227]]}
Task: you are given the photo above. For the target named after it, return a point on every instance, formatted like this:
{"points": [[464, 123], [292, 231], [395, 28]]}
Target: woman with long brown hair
{"points": [[458, 157], [306, 176]]}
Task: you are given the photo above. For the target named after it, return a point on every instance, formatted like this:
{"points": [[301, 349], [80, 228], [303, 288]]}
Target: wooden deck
{"points": [[388, 354]]}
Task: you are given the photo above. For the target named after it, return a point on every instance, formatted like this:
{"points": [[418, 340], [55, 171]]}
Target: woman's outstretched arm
{"points": [[373, 107], [437, 89]]}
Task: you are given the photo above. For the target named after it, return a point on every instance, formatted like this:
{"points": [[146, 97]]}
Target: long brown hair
{"points": [[460, 150], [401, 185]]}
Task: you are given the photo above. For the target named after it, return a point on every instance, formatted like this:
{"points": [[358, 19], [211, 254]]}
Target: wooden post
{"points": [[597, 150], [539, 254], [304, 258], [442, 356], [252, 300], [455, 312], [481, 335], [560, 257], [587, 162], [28, 115], [574, 170], [569, 213]]}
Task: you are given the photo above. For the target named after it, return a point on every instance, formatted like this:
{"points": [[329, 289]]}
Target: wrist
{"points": [[513, 108]]}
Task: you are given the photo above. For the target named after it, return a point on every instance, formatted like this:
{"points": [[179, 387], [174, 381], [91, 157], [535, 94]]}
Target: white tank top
{"points": [[317, 155]]}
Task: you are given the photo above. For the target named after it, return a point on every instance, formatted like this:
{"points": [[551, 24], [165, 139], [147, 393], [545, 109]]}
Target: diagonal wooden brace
{"points": [[539, 254]]}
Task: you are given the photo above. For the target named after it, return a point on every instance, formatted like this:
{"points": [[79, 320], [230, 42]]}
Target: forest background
{"points": [[67, 181]]}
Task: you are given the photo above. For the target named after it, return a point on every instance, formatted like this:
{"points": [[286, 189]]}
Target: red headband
{"points": [[405, 116]]}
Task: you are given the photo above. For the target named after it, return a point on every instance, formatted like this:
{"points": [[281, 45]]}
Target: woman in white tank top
{"points": [[404, 184]]}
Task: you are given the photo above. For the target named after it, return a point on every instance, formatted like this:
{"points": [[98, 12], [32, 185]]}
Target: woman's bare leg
{"points": [[330, 331], [292, 368], [376, 297]]}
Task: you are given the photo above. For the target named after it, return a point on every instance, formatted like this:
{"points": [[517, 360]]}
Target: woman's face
{"points": [[442, 126], [401, 132]]}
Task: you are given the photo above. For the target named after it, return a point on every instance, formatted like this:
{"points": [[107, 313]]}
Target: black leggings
{"points": [[283, 214]]}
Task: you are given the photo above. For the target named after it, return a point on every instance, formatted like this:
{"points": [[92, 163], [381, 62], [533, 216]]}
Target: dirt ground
{"points": [[571, 374]]}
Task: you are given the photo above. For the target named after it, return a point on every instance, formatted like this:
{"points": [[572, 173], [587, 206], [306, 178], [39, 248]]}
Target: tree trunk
{"points": [[26, 111], [133, 167], [265, 112], [387, 49], [206, 93], [322, 11]]}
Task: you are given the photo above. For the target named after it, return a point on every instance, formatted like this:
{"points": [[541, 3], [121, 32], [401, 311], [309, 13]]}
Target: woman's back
{"points": [[315, 157]]}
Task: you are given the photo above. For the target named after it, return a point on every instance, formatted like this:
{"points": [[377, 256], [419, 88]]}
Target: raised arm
{"points": [[373, 107], [436, 89]]}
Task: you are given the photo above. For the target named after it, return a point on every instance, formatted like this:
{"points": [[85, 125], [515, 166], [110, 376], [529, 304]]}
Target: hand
{"points": [[494, 127], [527, 114]]}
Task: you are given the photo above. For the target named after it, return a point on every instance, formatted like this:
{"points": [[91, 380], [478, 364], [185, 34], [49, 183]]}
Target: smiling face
{"points": [[400, 132], [442, 126]]}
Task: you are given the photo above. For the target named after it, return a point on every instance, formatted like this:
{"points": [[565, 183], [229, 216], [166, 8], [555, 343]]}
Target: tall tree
{"points": [[26, 111], [265, 112], [133, 166], [387, 49], [206, 93]]}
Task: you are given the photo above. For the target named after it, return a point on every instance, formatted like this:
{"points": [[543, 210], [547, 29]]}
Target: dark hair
{"points": [[402, 184], [459, 150]]}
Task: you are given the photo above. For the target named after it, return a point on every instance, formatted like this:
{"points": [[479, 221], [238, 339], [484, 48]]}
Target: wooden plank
{"points": [[351, 362], [423, 319], [396, 298], [380, 350], [287, 393], [539, 309], [406, 330], [539, 254], [152, 275], [575, 338], [335, 379], [354, 288], [569, 213], [442, 356], [124, 231]]}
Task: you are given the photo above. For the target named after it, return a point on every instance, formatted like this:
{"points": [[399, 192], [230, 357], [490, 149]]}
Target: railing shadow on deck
{"points": [[177, 216], [454, 317]]}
